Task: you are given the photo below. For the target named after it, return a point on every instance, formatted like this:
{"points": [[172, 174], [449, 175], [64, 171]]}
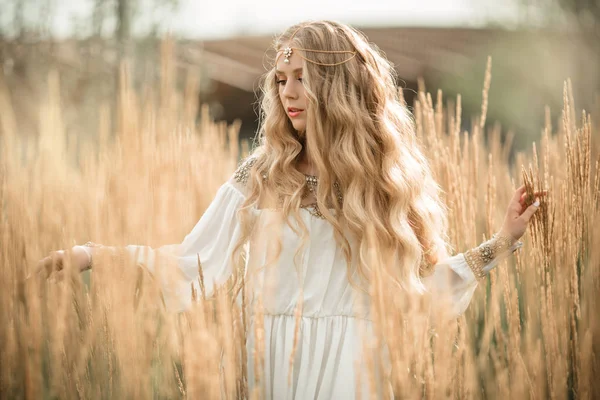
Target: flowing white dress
{"points": [[325, 358]]}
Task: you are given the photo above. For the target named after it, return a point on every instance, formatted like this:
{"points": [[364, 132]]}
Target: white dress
{"points": [[328, 344]]}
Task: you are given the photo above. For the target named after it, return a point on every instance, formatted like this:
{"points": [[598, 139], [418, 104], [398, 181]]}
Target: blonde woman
{"points": [[336, 194]]}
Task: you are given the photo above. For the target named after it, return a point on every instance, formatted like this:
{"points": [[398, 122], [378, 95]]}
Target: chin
{"points": [[300, 127]]}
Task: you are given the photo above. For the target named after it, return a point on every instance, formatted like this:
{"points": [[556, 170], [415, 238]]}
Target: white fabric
{"points": [[331, 321], [212, 241]]}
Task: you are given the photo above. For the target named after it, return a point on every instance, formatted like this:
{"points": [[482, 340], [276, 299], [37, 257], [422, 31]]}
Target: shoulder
{"points": [[241, 178], [242, 173]]}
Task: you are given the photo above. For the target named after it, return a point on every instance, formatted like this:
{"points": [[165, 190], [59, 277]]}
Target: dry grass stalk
{"points": [[485, 92], [530, 331]]}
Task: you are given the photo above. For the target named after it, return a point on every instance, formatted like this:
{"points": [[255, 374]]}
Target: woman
{"points": [[337, 194]]}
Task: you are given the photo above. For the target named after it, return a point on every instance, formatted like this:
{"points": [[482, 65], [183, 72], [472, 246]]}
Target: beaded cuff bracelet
{"points": [[480, 256]]}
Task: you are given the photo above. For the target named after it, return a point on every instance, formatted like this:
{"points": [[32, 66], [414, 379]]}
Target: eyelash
{"points": [[279, 82]]}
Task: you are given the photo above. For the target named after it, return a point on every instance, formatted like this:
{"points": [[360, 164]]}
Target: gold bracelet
{"points": [[486, 252]]}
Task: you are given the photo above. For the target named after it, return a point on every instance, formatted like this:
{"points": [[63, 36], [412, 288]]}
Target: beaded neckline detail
{"points": [[242, 174]]}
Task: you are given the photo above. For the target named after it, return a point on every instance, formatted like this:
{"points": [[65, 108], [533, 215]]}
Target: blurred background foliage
{"points": [[547, 43]]}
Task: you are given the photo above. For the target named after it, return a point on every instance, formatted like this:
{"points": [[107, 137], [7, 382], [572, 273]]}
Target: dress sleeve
{"points": [[211, 241], [453, 280]]}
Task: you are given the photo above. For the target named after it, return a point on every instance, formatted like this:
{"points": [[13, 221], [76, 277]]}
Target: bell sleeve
{"points": [[211, 241], [454, 279]]}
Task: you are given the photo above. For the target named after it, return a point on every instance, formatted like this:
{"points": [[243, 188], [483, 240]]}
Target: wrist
{"points": [[87, 256], [503, 233], [482, 257], [83, 257]]}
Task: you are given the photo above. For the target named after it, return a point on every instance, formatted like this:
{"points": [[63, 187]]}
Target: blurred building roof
{"points": [[240, 61]]}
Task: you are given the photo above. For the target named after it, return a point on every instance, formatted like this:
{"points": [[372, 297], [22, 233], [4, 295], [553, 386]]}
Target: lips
{"points": [[294, 112]]}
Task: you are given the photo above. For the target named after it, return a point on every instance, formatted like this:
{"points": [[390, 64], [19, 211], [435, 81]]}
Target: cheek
{"points": [[280, 94], [305, 100], [302, 92]]}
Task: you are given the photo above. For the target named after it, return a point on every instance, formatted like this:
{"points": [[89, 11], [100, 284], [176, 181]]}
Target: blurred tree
{"points": [[585, 14], [123, 13], [121, 19], [581, 17], [98, 17], [19, 18]]}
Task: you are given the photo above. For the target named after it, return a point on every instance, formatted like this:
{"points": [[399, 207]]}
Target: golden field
{"points": [[153, 163]]}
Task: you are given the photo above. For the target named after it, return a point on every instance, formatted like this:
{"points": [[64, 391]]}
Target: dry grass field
{"points": [[150, 168]]}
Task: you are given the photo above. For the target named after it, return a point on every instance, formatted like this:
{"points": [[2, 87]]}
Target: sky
{"points": [[231, 16], [222, 18]]}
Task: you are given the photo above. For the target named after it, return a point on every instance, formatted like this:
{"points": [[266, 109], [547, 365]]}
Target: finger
{"points": [[518, 193], [528, 213], [522, 200], [39, 271], [518, 209], [515, 206], [58, 276], [53, 262], [45, 266], [525, 198]]}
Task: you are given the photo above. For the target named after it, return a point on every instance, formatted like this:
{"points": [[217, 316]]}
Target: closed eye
{"points": [[283, 81]]}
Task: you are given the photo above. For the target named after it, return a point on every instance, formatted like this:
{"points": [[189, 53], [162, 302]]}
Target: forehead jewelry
{"points": [[288, 51]]}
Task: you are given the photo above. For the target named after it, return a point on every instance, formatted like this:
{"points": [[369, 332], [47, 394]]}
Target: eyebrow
{"points": [[278, 72]]}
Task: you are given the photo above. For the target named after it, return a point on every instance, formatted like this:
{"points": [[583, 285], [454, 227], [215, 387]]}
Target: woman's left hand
{"points": [[518, 213]]}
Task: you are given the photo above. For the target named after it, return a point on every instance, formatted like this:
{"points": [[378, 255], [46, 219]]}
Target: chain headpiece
{"points": [[288, 51]]}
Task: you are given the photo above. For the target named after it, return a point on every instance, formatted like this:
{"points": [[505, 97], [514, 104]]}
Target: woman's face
{"points": [[288, 78]]}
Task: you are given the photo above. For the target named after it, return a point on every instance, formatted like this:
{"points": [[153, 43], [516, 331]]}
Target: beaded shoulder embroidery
{"points": [[242, 173]]}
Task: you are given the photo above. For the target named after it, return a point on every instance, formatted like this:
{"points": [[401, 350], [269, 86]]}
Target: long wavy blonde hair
{"points": [[361, 136]]}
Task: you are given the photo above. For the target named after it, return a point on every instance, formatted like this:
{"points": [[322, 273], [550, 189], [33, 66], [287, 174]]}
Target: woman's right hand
{"points": [[55, 261]]}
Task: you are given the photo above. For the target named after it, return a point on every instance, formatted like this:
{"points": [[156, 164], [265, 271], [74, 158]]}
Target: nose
{"points": [[290, 89]]}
